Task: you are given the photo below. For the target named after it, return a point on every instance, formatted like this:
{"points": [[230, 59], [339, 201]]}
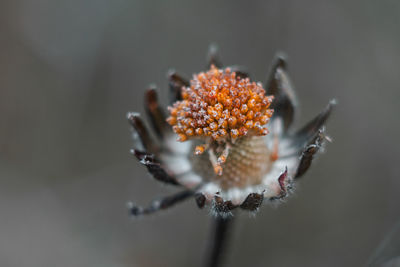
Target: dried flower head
{"points": [[219, 107], [227, 140]]}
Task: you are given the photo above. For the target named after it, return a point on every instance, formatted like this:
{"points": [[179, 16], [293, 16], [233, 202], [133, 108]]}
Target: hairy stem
{"points": [[219, 238]]}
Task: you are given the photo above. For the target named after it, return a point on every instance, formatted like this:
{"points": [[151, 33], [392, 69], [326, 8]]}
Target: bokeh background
{"points": [[71, 69]]}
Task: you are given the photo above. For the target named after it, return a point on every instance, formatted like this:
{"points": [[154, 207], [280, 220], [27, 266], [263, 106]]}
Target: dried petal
{"points": [[144, 135], [240, 71], [311, 129], [154, 167], [283, 182], [159, 204], [212, 56], [309, 152], [200, 200], [176, 82], [281, 88], [252, 202], [157, 116], [223, 208]]}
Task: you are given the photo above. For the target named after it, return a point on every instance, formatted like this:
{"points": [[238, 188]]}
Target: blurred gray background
{"points": [[71, 69]]}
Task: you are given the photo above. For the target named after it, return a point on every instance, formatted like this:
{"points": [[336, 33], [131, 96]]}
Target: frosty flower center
{"points": [[218, 108]]}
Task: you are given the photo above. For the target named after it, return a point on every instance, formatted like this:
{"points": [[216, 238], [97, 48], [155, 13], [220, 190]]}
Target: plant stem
{"points": [[218, 240]]}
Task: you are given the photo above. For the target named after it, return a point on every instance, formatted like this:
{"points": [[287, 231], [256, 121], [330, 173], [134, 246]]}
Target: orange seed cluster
{"points": [[220, 105]]}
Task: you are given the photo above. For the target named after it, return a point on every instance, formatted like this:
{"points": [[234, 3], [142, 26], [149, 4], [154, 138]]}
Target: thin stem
{"points": [[219, 240]]}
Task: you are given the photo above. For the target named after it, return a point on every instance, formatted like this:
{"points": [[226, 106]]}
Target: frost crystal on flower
{"points": [[227, 140]]}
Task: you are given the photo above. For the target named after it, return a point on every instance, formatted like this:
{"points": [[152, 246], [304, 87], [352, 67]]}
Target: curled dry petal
{"points": [[155, 113], [280, 86], [311, 129], [159, 204], [222, 208], [212, 56], [144, 135], [154, 167], [309, 152], [252, 202], [240, 71], [176, 82], [200, 200]]}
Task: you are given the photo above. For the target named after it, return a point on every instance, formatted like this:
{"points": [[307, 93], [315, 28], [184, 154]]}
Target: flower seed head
{"points": [[221, 106]]}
